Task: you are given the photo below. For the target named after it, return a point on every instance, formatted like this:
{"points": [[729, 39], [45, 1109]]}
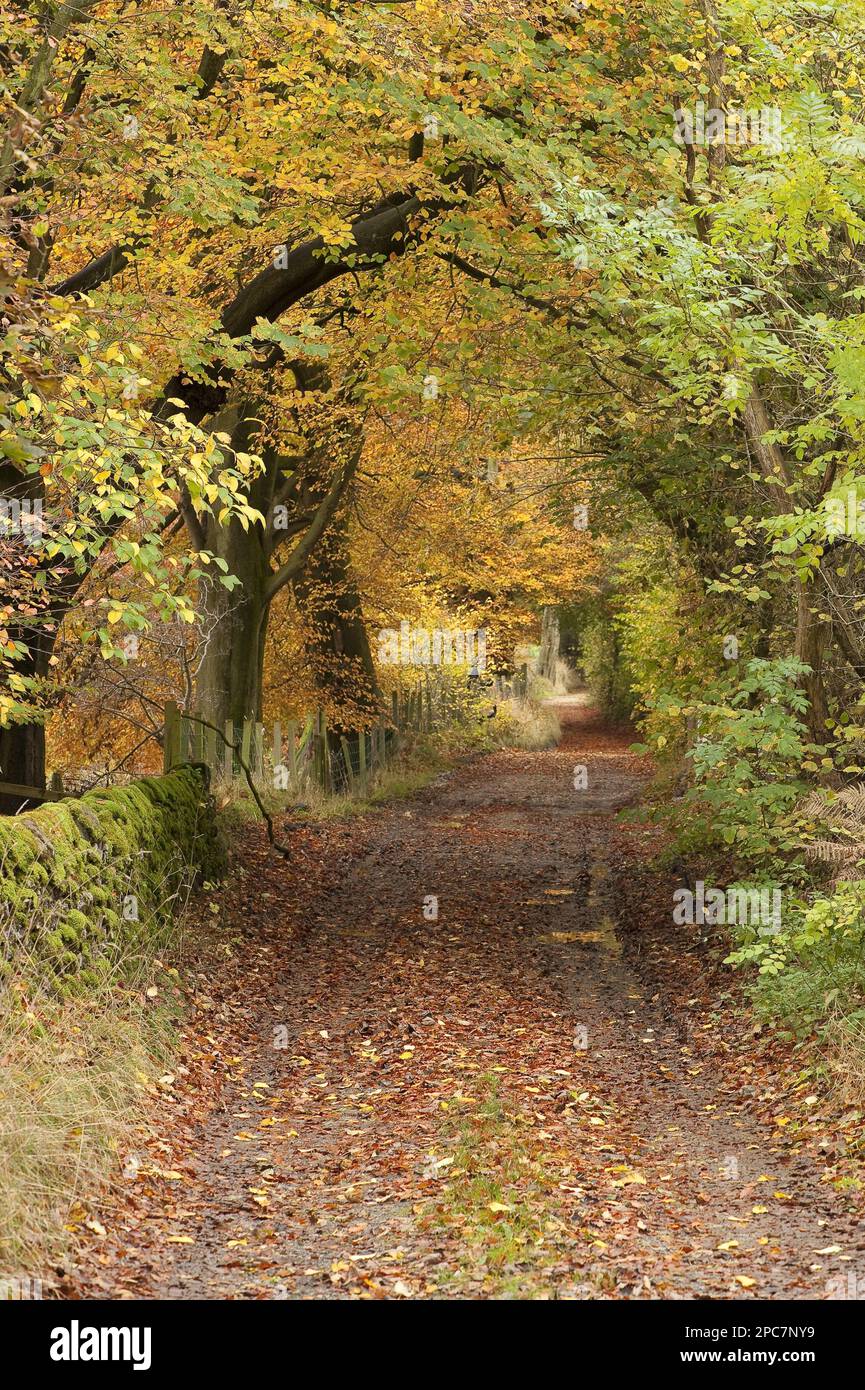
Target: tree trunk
{"points": [[335, 637], [234, 626], [549, 653], [812, 633], [230, 677], [22, 760], [22, 746]]}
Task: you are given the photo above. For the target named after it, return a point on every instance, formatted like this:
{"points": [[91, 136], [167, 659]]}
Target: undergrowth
{"points": [[73, 1073]]}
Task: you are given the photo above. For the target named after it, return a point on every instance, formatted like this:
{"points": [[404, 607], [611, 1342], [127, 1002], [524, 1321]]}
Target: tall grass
{"points": [[74, 1064]]}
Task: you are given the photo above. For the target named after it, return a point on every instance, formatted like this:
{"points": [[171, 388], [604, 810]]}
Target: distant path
{"points": [[486, 1105]]}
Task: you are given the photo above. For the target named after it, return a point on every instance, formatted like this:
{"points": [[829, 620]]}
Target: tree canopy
{"points": [[284, 280]]}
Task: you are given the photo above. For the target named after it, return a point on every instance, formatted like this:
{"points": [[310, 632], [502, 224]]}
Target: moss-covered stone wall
{"points": [[84, 880]]}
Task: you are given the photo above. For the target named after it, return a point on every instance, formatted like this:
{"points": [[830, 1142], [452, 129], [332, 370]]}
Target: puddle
{"points": [[605, 936]]}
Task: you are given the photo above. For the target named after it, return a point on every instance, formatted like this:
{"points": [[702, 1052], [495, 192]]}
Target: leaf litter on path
{"points": [[502, 1103]]}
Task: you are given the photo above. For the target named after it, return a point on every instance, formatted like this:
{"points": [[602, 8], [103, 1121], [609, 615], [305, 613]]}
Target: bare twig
{"points": [[235, 747]]}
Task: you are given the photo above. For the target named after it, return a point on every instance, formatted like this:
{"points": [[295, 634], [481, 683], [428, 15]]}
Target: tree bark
{"points": [[22, 746], [234, 627], [230, 677], [549, 652], [335, 636], [22, 760], [812, 633]]}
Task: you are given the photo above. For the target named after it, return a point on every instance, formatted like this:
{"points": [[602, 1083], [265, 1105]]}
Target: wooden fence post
{"points": [[382, 742], [277, 746], [211, 750], [170, 736], [245, 741], [396, 716], [185, 739], [346, 753], [290, 733], [325, 761], [319, 750]]}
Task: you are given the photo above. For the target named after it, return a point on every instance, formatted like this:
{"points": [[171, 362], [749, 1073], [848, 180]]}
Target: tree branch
{"points": [[323, 516]]}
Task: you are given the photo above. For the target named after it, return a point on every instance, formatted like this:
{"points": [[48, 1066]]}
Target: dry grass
{"points": [[530, 725], [73, 1074], [74, 1062], [845, 1060]]}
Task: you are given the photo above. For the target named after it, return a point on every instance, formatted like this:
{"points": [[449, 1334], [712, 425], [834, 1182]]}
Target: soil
{"points": [[547, 1091]]}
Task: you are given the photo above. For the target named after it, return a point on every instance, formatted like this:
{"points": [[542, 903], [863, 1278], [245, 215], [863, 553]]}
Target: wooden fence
{"points": [[18, 791], [295, 754], [298, 754]]}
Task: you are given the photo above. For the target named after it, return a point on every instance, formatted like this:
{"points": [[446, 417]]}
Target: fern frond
{"points": [[830, 852]]}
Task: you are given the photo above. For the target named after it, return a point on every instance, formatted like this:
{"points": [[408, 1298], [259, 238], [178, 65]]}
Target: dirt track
{"points": [[496, 1103]]}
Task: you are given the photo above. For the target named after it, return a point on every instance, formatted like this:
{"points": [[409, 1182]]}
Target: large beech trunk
{"points": [[234, 627], [22, 746], [230, 676], [22, 760]]}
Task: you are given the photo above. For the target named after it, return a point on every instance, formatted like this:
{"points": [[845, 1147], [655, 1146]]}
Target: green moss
{"points": [[90, 880]]}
